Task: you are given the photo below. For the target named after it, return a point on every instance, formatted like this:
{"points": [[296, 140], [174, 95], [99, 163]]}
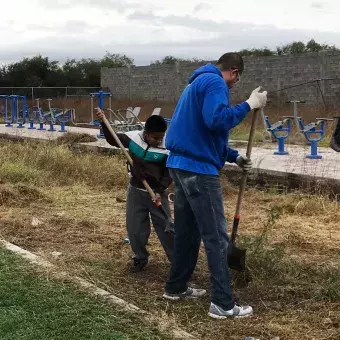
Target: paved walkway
{"points": [[263, 158], [296, 162], [48, 135]]}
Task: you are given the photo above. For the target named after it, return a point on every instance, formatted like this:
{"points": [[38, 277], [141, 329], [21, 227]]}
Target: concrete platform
{"points": [[24, 133], [43, 135], [280, 168], [297, 162]]}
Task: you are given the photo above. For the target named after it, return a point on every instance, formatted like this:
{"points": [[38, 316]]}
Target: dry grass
{"points": [[70, 138], [50, 164], [293, 244]]}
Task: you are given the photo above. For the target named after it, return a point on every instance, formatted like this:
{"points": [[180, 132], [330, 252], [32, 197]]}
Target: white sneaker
{"points": [[237, 312], [192, 293]]}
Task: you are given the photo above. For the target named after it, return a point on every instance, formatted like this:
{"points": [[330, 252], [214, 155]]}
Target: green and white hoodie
{"points": [[149, 163]]}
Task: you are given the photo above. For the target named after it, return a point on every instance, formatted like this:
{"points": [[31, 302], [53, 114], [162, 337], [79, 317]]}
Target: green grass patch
{"points": [[33, 307]]}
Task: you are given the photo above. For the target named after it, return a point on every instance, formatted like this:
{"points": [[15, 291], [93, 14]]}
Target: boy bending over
{"points": [[149, 157]]}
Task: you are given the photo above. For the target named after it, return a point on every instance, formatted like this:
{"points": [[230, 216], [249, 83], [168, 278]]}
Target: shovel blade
{"points": [[236, 258]]}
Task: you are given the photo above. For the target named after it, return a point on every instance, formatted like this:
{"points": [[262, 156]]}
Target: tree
{"points": [[31, 71], [171, 60], [298, 47], [259, 52], [295, 47], [116, 60]]}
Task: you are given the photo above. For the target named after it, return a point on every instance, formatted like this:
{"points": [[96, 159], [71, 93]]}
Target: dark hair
{"points": [[229, 61], [155, 124]]}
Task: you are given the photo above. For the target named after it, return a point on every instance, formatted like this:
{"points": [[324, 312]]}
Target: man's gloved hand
{"points": [[257, 99], [244, 163]]}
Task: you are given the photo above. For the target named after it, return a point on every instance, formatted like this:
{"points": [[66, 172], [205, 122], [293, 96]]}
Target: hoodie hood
{"points": [[208, 68]]}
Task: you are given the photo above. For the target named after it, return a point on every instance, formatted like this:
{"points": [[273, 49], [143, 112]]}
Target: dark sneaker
{"points": [[237, 312], [138, 265], [192, 293]]}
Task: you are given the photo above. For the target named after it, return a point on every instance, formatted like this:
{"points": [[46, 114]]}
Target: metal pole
{"points": [[101, 100], [91, 106]]}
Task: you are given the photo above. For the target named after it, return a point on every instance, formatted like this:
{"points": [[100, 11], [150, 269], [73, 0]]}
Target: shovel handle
{"points": [[128, 157], [244, 178]]}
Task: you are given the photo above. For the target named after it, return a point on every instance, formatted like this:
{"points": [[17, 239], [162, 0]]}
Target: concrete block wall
{"points": [[166, 82]]}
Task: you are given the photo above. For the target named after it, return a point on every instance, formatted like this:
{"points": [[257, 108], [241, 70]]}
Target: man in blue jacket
{"points": [[198, 143]]}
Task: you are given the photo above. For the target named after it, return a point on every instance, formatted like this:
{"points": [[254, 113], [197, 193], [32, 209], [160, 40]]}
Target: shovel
{"points": [[237, 256], [169, 224]]}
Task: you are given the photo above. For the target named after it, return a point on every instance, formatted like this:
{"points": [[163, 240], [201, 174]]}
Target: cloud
{"points": [[318, 5], [119, 6], [188, 21], [143, 16], [143, 34], [73, 26], [202, 7], [233, 39]]}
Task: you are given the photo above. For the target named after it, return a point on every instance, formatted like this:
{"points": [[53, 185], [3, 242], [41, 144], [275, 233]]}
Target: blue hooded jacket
{"points": [[199, 131]]}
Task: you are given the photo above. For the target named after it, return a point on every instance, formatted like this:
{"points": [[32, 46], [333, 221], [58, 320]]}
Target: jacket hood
{"points": [[208, 68]]}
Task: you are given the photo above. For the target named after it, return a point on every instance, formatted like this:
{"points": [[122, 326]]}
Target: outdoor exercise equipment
{"points": [[38, 115], [313, 132], [94, 122], [61, 116], [168, 121], [19, 110], [4, 103], [279, 130], [101, 96], [51, 117], [128, 121], [20, 107]]}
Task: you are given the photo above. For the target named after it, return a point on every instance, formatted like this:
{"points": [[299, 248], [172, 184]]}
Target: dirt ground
{"points": [[82, 230], [293, 244]]}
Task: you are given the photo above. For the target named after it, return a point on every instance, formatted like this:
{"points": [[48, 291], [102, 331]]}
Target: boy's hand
{"points": [[158, 198], [100, 114]]}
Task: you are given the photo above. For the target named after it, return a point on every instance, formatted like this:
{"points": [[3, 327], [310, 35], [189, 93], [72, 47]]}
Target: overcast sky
{"points": [[62, 29]]}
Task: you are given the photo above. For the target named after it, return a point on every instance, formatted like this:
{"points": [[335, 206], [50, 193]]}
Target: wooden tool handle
{"points": [[128, 157], [244, 177]]}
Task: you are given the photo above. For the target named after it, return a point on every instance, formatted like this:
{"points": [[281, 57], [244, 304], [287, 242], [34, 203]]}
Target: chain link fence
{"points": [[45, 92]]}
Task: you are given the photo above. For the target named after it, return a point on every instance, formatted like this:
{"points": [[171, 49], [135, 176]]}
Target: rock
{"points": [[35, 222], [56, 253]]}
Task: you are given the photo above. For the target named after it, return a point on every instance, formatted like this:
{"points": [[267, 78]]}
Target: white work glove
{"points": [[244, 163], [257, 99]]}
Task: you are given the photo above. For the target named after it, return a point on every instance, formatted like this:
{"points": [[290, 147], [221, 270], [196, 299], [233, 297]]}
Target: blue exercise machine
{"points": [[94, 122], [51, 117], [21, 113], [100, 95], [4, 103], [313, 132], [168, 121], [18, 114], [279, 130]]}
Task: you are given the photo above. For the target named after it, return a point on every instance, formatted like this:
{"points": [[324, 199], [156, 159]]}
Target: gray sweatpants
{"points": [[139, 208]]}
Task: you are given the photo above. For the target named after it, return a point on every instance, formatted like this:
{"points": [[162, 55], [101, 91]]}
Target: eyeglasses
{"points": [[238, 74]]}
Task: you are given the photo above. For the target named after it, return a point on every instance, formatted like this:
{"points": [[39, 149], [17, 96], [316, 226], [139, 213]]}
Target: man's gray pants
{"points": [[139, 208]]}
